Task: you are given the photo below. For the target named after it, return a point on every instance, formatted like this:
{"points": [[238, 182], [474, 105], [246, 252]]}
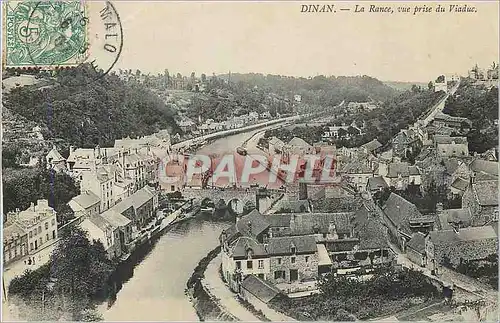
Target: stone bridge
{"points": [[235, 198]]}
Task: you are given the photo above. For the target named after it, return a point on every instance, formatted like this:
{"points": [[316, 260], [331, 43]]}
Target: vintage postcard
{"points": [[250, 160]]}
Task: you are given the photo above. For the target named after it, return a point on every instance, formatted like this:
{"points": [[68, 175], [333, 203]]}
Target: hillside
{"points": [[95, 113], [403, 86], [480, 105], [320, 90]]}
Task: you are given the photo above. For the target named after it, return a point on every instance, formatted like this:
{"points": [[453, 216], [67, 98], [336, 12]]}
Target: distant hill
{"points": [[96, 113], [318, 90], [403, 86]]}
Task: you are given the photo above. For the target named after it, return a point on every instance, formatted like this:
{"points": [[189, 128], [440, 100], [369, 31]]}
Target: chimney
{"points": [[71, 149], [473, 178], [98, 151], [32, 206], [439, 208], [302, 191]]}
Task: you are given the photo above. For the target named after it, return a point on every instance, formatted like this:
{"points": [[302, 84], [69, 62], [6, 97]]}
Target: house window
{"points": [[53, 222], [53, 234], [261, 264], [279, 261], [46, 225], [39, 229], [47, 237], [293, 250], [238, 265], [307, 258], [279, 274], [249, 264], [31, 234], [31, 245], [293, 260]]}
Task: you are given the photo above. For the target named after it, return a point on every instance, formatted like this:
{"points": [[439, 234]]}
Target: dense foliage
{"points": [[22, 186], [343, 299], [382, 123], [485, 270], [69, 283], [96, 112], [479, 105]]}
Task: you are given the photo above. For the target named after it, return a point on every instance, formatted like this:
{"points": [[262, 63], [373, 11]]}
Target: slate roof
{"points": [[458, 215], [294, 206], [282, 245], [485, 166], [259, 288], [369, 230], [417, 242], [258, 224], [460, 184], [55, 155], [86, 199], [355, 167], [115, 219], [439, 139], [486, 192], [376, 183], [465, 234], [400, 211], [11, 231], [279, 220], [372, 145], [309, 223], [245, 243], [451, 165], [395, 169], [299, 142]]}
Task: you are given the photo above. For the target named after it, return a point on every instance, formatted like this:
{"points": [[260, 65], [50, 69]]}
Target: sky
{"points": [[276, 38]]}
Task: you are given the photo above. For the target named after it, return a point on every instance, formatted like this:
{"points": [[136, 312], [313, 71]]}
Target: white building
{"points": [[41, 224]]}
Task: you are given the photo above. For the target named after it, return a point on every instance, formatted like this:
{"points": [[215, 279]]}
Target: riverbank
{"points": [[205, 304]]}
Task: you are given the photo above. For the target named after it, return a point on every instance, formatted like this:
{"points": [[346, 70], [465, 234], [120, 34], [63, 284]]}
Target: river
{"points": [[151, 288]]}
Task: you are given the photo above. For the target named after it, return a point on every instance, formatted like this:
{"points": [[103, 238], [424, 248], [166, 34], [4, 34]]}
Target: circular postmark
{"points": [[72, 36]]}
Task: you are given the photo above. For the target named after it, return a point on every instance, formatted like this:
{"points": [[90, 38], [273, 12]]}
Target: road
{"points": [[187, 143], [438, 108]]}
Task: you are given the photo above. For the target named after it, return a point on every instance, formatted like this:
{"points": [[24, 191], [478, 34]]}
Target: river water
{"points": [[151, 287]]}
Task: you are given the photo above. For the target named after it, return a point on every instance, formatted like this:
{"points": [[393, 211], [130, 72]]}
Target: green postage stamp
{"points": [[45, 34]]}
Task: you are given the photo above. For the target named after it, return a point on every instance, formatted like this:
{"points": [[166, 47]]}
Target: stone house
{"points": [[415, 249], [98, 228], [258, 292], [292, 258], [248, 247], [446, 146], [15, 243], [452, 247], [124, 230], [482, 200], [400, 175], [55, 161], [40, 222], [402, 219], [87, 203]]}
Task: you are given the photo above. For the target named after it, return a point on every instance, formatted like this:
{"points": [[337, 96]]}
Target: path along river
{"points": [[152, 288]]}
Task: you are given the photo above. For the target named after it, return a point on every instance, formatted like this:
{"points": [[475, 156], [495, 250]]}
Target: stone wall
{"points": [[466, 250], [306, 270]]}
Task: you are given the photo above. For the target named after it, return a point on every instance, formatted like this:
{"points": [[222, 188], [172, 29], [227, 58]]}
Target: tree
{"points": [[137, 73], [430, 86], [203, 77], [80, 267]]}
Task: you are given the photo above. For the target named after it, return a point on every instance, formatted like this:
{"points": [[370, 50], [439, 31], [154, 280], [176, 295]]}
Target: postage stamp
{"points": [[45, 34]]}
